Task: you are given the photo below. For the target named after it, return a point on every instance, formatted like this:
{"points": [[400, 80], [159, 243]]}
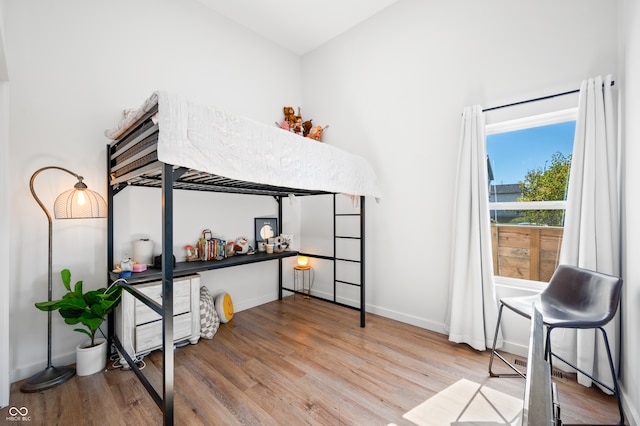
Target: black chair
{"points": [[575, 298]]}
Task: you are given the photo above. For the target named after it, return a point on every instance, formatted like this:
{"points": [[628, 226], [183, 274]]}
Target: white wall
{"points": [[630, 368], [393, 89], [75, 65], [4, 220]]}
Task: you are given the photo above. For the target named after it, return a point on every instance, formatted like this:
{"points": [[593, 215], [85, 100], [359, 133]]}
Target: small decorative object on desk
{"points": [[287, 240], [265, 228], [191, 253], [126, 264], [279, 245], [143, 251], [241, 246], [125, 268], [139, 267], [230, 248]]}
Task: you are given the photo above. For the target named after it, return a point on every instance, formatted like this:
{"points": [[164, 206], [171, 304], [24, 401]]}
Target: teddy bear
{"points": [[306, 127], [290, 119], [289, 115]]}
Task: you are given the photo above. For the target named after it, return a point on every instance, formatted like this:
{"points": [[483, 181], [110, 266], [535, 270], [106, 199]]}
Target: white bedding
{"points": [[207, 139]]}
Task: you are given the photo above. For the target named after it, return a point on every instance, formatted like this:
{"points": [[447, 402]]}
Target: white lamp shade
{"points": [[79, 204]]}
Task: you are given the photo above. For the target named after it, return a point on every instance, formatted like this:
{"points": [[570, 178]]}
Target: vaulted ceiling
{"points": [[298, 25]]}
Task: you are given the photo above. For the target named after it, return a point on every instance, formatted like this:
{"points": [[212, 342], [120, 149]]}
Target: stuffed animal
{"points": [[294, 123], [284, 124], [241, 246], [306, 127], [297, 126], [289, 115], [316, 132]]}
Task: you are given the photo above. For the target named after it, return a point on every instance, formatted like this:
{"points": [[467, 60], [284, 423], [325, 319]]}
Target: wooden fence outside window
{"points": [[525, 252]]}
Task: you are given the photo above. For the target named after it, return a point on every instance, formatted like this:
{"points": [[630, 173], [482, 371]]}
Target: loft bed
{"points": [[172, 143]]}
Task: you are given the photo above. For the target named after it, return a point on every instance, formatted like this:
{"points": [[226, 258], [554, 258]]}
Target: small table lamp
{"points": [[76, 203], [303, 262], [302, 267]]}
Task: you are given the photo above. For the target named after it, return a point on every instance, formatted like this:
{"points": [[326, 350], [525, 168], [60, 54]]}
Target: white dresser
{"points": [[139, 328]]}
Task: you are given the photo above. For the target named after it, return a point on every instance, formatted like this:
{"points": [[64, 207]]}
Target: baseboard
{"points": [[630, 410], [27, 371], [514, 348], [434, 326], [253, 302]]}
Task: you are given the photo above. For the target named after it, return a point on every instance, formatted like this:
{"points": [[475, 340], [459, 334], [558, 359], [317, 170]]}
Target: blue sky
{"points": [[512, 154]]}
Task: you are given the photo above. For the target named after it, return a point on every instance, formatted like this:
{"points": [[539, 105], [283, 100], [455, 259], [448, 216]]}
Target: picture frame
{"points": [[265, 228]]}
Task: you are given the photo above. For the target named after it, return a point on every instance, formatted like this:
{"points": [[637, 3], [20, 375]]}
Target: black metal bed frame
{"points": [[132, 161]]}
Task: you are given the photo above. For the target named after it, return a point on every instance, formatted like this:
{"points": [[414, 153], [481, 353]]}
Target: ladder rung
{"points": [[348, 238], [348, 283], [347, 260]]}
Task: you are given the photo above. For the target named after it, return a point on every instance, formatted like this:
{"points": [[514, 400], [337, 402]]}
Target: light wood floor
{"points": [[296, 361]]}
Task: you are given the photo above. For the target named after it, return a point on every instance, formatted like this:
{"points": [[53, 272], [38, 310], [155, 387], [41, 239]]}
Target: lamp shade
{"points": [[303, 260], [79, 203]]}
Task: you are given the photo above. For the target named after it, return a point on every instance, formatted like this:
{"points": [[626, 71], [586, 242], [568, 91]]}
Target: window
{"points": [[528, 163]]}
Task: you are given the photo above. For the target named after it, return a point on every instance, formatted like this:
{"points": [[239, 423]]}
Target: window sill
{"points": [[519, 284]]}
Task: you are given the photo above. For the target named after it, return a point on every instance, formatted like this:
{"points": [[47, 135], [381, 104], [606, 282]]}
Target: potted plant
{"points": [[89, 309]]}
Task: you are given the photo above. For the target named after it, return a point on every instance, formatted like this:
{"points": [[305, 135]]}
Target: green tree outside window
{"points": [[546, 184]]}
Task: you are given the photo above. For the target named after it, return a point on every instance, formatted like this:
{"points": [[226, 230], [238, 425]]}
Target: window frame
{"points": [[538, 120]]}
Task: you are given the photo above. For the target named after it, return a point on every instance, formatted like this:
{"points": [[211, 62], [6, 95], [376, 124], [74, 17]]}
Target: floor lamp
{"points": [[76, 203]]}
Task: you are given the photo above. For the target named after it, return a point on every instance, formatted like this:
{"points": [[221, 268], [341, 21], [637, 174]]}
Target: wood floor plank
{"points": [[294, 362]]}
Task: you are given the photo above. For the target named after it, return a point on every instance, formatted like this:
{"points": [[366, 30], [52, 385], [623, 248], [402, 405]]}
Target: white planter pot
{"points": [[90, 360]]}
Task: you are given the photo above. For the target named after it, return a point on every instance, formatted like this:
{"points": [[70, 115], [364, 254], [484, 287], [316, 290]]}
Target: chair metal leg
{"points": [[517, 373], [613, 375], [615, 390], [547, 350]]}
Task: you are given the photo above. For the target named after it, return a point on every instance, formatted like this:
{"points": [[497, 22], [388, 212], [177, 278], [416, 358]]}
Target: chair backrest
{"points": [[584, 293]]}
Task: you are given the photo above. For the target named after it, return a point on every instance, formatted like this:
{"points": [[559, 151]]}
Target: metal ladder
{"points": [[341, 260]]}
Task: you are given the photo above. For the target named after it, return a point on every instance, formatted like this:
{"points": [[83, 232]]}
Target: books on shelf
{"points": [[211, 248]]}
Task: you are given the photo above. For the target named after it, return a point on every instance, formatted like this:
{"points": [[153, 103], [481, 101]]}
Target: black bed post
{"points": [[167, 293], [363, 303], [110, 230], [280, 259]]}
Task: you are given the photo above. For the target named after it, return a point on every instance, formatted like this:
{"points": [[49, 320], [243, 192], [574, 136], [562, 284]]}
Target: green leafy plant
{"points": [[89, 309], [548, 184]]}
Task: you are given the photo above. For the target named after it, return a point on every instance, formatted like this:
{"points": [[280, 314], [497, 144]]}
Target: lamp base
{"points": [[50, 377]]}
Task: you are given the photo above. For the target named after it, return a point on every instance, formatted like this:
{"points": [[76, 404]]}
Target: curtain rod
{"points": [[536, 99]]}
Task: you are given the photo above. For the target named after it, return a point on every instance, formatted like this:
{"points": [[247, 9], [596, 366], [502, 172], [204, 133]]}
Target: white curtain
{"points": [[472, 310], [591, 230]]}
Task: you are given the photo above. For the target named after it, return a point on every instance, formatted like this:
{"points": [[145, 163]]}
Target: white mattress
{"points": [[207, 139]]}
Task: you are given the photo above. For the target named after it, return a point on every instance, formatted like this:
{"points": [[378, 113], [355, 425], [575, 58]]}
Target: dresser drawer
{"points": [[139, 328], [181, 301], [149, 336]]}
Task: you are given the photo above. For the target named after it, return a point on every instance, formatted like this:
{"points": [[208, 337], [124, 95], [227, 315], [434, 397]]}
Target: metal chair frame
{"points": [[574, 324]]}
